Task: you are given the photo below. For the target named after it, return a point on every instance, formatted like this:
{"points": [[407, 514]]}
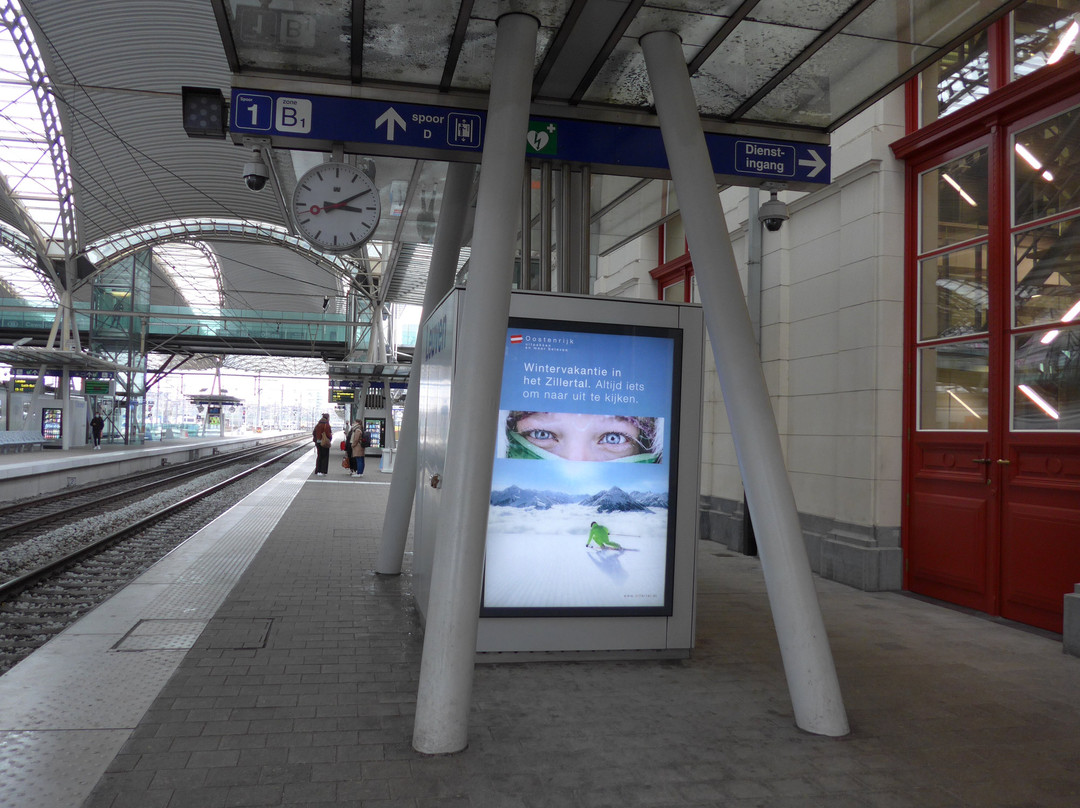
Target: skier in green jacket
{"points": [[599, 534]]}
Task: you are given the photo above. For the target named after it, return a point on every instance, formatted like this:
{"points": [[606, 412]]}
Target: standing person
{"points": [[347, 445], [359, 443], [97, 423], [322, 434]]}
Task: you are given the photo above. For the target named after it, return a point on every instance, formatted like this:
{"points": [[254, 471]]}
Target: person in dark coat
{"points": [[323, 435], [97, 423]]}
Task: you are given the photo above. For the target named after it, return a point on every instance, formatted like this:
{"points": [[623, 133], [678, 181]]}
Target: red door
{"points": [[992, 500]]}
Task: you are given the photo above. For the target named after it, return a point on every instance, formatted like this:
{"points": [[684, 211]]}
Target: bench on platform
{"points": [[26, 440]]}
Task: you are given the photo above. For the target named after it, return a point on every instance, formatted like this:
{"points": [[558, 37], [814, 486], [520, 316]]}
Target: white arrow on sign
{"points": [[816, 164], [392, 119]]}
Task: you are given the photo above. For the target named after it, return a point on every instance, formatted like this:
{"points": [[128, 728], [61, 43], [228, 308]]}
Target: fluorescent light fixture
{"points": [[1033, 161], [963, 404], [1072, 313], [1039, 401], [963, 194], [1066, 42], [1049, 337]]}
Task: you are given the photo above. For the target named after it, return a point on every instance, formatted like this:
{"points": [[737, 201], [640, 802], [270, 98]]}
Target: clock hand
{"points": [[351, 209], [344, 202]]}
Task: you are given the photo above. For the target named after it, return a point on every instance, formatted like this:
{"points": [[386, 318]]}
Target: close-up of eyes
{"points": [[539, 434], [613, 439]]}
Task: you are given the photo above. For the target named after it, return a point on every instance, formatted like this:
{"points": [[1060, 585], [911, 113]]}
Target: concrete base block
{"points": [[1071, 632], [856, 562], [868, 558]]}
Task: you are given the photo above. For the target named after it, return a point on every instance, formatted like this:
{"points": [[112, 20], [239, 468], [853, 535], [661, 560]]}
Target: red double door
{"points": [[995, 523], [992, 390]]}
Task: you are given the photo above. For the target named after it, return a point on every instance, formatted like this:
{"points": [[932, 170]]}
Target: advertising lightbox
{"points": [[589, 546], [585, 471]]}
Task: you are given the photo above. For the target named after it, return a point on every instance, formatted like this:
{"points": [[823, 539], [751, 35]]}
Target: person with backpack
{"points": [[360, 442]]}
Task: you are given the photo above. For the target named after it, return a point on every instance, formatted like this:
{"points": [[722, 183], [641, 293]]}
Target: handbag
{"points": [[342, 447], [324, 442], [345, 463]]}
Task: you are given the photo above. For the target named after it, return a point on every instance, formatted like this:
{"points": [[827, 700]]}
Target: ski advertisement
{"points": [[582, 497]]}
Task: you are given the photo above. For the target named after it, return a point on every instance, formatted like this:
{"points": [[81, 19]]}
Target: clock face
{"points": [[336, 206]]}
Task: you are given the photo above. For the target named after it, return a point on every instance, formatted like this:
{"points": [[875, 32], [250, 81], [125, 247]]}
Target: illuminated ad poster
{"points": [[581, 518]]}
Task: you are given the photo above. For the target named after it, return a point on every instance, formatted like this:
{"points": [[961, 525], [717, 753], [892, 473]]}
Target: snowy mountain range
{"points": [[612, 500]]}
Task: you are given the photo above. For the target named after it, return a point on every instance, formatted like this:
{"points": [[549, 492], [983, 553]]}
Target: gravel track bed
{"points": [[35, 616]]}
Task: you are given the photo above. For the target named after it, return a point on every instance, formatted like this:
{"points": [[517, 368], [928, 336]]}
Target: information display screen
{"points": [[581, 518], [342, 396]]}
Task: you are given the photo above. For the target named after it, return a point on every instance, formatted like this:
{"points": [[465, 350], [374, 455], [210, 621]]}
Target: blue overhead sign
{"points": [[455, 134]]}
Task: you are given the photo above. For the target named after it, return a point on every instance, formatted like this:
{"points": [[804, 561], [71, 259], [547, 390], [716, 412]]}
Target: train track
{"points": [[38, 603], [53, 510]]}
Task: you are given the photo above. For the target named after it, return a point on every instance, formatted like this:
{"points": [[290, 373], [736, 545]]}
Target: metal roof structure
{"points": [[115, 69]]}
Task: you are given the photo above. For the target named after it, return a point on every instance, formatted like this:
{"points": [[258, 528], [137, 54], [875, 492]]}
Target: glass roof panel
{"points": [[22, 281], [925, 22], [407, 42], [814, 14], [827, 85], [744, 63], [313, 38], [623, 79], [194, 274], [477, 59]]}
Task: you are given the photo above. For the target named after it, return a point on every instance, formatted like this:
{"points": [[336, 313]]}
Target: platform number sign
{"points": [[261, 113]]}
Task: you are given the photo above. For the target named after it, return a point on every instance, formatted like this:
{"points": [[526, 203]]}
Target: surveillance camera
{"points": [[773, 214], [256, 173]]}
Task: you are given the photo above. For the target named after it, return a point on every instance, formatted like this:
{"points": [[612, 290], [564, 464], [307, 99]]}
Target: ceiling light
{"points": [[1072, 313], [963, 194], [1049, 337], [1032, 161], [963, 404], [1066, 42], [1039, 400]]}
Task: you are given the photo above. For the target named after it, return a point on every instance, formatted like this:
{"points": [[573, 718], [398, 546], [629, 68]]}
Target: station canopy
{"points": [[96, 161]]}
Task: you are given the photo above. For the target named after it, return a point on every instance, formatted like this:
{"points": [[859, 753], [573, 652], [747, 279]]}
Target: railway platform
{"points": [[264, 663], [27, 474]]}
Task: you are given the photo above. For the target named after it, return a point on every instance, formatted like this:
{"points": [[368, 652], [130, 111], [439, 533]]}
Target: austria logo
{"points": [[515, 339]]}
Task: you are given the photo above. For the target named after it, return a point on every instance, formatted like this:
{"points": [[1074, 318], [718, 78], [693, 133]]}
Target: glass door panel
{"points": [[953, 201], [953, 294], [1046, 168], [1046, 380], [954, 384]]}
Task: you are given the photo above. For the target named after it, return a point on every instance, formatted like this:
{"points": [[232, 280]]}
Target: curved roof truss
{"points": [[55, 214], [108, 251]]}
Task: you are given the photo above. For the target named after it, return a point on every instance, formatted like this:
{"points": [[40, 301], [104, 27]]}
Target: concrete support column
{"points": [[804, 646], [446, 669], [444, 258], [1071, 630]]}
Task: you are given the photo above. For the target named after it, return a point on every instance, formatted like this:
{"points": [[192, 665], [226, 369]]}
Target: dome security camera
{"points": [[773, 214], [256, 173]]}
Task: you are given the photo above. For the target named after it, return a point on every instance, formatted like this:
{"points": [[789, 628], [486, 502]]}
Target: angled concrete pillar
{"points": [[804, 645], [444, 258], [446, 669]]}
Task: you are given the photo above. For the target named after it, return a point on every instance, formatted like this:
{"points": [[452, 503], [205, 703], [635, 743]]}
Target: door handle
{"points": [[986, 461], [1002, 462]]}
